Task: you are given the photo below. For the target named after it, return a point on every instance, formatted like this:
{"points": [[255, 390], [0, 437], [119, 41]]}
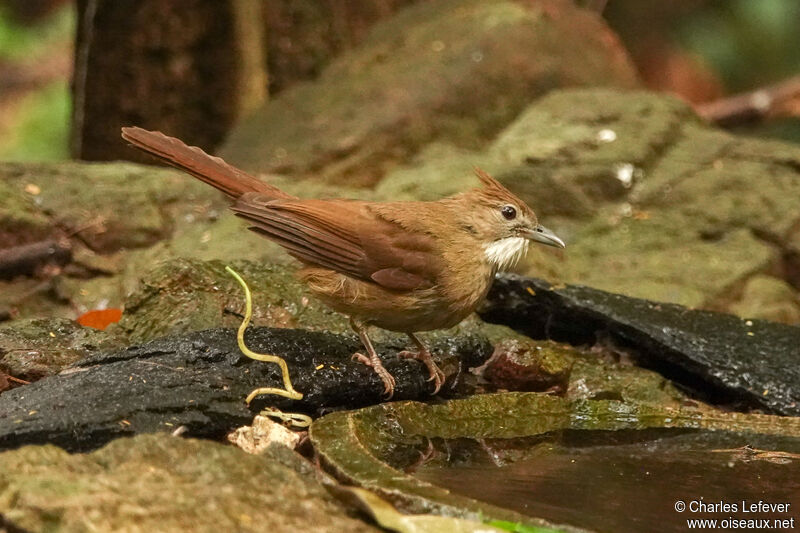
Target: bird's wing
{"points": [[346, 236]]}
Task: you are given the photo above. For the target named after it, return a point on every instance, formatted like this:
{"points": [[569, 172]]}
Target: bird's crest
{"points": [[493, 189]]}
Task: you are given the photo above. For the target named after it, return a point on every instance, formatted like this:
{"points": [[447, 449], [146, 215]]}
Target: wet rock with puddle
{"points": [[383, 448], [722, 358]]}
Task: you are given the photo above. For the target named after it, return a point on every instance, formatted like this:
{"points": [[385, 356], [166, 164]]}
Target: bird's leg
{"points": [[371, 359], [424, 355]]}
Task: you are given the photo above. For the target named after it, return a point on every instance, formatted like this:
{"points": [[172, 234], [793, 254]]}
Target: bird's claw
{"points": [[388, 380], [361, 358], [388, 385], [435, 373]]}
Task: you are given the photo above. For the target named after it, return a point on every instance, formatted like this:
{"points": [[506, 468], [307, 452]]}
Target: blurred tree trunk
{"points": [[186, 67], [190, 68]]}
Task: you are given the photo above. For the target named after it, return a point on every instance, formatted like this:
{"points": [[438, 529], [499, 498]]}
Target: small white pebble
{"points": [[625, 174], [606, 136]]}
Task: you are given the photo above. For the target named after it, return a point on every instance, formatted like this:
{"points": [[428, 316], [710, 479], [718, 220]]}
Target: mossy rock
{"points": [[163, 483], [482, 63], [32, 349], [189, 295], [651, 202], [108, 206], [768, 298]]}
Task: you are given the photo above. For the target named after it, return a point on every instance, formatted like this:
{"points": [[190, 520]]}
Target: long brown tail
{"points": [[207, 168]]}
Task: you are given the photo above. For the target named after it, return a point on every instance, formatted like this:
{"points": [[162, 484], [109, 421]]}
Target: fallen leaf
{"points": [[100, 318]]}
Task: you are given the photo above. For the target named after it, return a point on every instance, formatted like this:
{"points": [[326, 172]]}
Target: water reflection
{"points": [[626, 481]]}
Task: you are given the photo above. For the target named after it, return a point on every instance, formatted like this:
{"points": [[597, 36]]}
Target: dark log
{"points": [[200, 380]]}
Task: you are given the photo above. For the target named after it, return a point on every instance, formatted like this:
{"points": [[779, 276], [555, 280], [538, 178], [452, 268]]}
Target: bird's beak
{"points": [[544, 236]]}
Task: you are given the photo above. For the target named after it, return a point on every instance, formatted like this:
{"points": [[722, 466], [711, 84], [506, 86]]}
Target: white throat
{"points": [[505, 253]]}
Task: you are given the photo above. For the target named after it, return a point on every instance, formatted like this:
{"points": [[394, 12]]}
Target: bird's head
{"points": [[503, 223]]}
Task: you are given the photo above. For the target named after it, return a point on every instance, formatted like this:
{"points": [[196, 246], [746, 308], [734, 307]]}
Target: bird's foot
{"points": [[376, 365], [436, 374], [361, 358]]}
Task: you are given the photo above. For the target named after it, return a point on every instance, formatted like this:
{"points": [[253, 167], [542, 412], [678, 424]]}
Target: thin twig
{"points": [[751, 106], [25, 259]]}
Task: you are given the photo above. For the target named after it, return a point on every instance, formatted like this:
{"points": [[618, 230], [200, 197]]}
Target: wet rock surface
{"points": [[200, 380], [526, 365], [380, 447], [723, 358]]}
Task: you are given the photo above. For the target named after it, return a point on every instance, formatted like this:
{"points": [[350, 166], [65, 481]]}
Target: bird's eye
{"points": [[508, 211]]}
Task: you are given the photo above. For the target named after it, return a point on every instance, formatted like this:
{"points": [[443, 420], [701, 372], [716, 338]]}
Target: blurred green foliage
{"points": [[42, 130], [18, 42], [749, 43], [37, 120]]}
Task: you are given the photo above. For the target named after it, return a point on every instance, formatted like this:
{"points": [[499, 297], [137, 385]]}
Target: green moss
{"points": [[123, 485], [189, 295], [769, 298], [31, 349]]}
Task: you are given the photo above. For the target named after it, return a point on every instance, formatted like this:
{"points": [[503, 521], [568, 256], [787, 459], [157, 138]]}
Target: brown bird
{"points": [[401, 266]]}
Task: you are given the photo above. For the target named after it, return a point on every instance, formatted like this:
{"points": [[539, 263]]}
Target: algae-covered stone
{"points": [[109, 206], [481, 63], [527, 365], [592, 378], [169, 484], [20, 220], [769, 298], [189, 295], [120, 220], [647, 259], [685, 228], [32, 349]]}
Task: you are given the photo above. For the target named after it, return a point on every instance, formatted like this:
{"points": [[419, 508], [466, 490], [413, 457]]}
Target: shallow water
{"points": [[628, 481]]}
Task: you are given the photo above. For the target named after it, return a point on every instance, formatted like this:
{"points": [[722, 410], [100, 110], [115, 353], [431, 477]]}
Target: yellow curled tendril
{"points": [[289, 392]]}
